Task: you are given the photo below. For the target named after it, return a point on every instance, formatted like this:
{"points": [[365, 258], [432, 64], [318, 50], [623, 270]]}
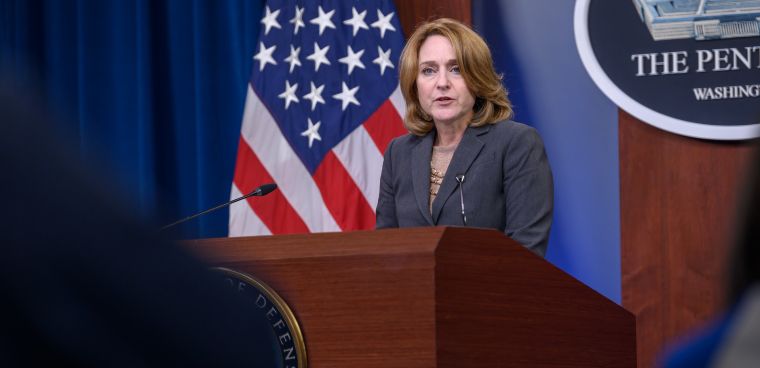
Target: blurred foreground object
{"points": [[83, 283]]}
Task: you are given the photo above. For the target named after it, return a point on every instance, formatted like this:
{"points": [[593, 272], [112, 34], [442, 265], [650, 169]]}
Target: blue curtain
{"points": [[533, 44], [152, 90]]}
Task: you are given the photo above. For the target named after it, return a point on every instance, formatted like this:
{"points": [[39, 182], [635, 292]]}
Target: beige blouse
{"points": [[439, 162]]}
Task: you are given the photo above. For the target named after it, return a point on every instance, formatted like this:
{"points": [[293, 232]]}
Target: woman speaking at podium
{"points": [[463, 163]]}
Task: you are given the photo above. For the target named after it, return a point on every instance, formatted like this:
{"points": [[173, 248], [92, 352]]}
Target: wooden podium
{"points": [[431, 297]]}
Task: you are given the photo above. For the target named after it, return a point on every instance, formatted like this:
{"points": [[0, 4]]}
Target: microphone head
{"points": [[266, 189]]}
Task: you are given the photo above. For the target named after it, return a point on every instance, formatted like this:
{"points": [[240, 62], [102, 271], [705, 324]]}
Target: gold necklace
{"points": [[436, 177]]}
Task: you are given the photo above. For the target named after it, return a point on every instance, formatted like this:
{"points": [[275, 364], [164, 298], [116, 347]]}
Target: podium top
{"points": [[368, 242]]}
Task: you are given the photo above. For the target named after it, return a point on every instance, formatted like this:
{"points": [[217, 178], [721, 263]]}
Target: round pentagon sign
{"points": [[285, 334], [691, 67]]}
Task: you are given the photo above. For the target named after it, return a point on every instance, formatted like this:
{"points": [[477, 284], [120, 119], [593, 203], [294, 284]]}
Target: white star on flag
{"points": [[383, 59], [352, 59], [312, 132], [293, 58], [265, 56], [319, 56], [357, 20], [346, 96], [297, 20], [315, 95], [289, 94], [270, 20], [383, 23], [323, 20]]}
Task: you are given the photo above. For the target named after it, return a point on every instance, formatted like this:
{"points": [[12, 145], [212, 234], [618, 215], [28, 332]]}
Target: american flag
{"points": [[323, 103]]}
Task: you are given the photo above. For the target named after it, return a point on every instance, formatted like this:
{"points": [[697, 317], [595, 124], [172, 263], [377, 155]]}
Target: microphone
{"points": [[460, 180], [258, 192]]}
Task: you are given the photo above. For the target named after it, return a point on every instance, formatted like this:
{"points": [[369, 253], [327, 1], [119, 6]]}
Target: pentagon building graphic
{"points": [[700, 19]]}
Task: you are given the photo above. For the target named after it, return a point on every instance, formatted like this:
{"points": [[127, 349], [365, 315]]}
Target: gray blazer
{"points": [[507, 184]]}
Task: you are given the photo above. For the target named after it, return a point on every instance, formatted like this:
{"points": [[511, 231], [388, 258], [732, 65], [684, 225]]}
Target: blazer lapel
{"points": [[421, 155], [468, 149]]}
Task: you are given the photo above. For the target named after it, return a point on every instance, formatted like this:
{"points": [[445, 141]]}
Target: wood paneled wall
{"points": [[411, 13], [678, 202]]}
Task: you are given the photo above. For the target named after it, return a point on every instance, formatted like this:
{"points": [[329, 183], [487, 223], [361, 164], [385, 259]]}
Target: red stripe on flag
{"points": [[342, 196], [384, 125], [273, 209]]}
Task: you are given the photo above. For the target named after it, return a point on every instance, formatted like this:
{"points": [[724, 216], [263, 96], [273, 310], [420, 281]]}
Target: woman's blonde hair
{"points": [[476, 65]]}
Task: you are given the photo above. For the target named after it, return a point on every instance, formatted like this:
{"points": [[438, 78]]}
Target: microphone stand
{"points": [[260, 191]]}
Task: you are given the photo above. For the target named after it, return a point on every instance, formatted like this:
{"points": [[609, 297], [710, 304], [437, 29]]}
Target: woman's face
{"points": [[441, 88]]}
